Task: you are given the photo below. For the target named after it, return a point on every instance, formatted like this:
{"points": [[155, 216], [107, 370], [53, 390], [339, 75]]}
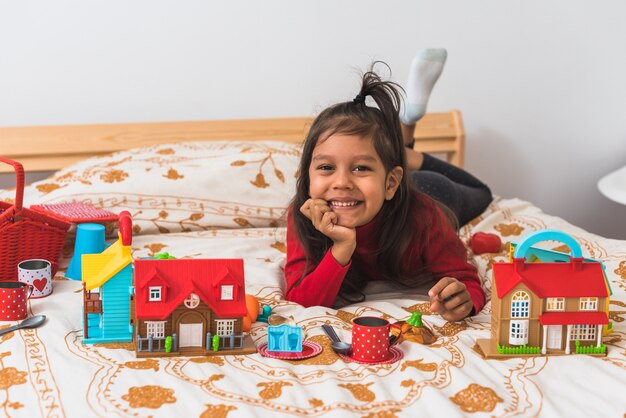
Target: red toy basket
{"points": [[25, 234]]}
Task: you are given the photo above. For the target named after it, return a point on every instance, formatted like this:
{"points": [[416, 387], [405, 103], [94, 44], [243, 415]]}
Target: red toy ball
{"points": [[484, 242]]}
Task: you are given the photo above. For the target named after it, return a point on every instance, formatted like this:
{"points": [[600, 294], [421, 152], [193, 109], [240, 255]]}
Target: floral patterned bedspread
{"points": [[227, 200]]}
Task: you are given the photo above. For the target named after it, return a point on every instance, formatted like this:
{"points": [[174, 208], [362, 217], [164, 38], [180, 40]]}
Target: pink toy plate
{"points": [[394, 355], [309, 349]]}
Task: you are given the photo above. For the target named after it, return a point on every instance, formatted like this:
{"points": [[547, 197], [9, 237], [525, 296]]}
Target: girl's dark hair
{"points": [[396, 224]]}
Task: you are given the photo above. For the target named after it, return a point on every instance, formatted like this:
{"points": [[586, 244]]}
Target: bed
{"points": [[219, 190]]}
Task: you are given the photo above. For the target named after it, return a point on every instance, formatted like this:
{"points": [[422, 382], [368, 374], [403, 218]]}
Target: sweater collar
{"points": [[368, 229]]}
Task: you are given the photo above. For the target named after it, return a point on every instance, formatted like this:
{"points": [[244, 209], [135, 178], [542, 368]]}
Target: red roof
{"points": [[577, 318], [550, 280], [181, 277]]}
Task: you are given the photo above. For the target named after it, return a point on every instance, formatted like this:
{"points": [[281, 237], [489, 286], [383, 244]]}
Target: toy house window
{"points": [[588, 304], [192, 301], [518, 334], [583, 332], [154, 293], [156, 329], [555, 304], [227, 292], [225, 327], [520, 305]]}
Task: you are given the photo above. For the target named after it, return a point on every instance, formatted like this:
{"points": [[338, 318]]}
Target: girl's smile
{"points": [[337, 204], [348, 174]]}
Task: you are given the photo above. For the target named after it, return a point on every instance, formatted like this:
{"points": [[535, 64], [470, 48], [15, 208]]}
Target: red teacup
{"points": [[14, 300], [370, 339]]}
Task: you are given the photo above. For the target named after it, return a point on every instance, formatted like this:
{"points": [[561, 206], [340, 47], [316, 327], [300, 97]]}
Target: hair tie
{"points": [[359, 99]]}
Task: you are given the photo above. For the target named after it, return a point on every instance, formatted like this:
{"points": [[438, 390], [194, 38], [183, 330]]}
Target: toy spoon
{"points": [[32, 322], [338, 346]]}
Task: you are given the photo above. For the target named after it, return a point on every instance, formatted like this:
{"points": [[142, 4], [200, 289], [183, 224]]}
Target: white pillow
{"points": [[181, 187]]}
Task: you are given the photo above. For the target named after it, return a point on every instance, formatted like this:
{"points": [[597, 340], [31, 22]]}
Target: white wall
{"points": [[540, 83]]}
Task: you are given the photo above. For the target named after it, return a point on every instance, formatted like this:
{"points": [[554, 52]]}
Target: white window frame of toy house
{"points": [[583, 333], [154, 293], [192, 301], [588, 304], [555, 304], [155, 329], [225, 327], [228, 292], [520, 305]]}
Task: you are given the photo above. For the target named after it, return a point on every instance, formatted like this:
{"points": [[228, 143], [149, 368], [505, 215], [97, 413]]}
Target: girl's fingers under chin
{"points": [[329, 220], [326, 221]]}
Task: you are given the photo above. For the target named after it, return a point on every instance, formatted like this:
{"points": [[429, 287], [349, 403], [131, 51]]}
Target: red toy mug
{"points": [[14, 300], [370, 338]]}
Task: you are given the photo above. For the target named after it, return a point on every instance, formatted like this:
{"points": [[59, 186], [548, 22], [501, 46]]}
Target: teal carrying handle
{"points": [[547, 235]]}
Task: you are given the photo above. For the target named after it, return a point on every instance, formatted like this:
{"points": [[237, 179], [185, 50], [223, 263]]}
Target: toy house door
{"points": [[191, 335], [555, 336]]}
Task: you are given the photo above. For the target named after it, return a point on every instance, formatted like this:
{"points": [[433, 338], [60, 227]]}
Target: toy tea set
{"points": [[374, 339]]}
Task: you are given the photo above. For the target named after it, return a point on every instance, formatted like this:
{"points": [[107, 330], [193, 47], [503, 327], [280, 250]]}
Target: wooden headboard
{"points": [[46, 148]]}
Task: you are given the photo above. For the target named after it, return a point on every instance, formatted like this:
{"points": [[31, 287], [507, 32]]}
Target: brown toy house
{"points": [[190, 306], [547, 308]]}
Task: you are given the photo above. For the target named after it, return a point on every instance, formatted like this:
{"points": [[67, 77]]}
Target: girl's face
{"points": [[348, 174]]}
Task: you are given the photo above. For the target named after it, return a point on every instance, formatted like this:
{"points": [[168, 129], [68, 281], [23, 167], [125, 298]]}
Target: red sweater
{"points": [[442, 253]]}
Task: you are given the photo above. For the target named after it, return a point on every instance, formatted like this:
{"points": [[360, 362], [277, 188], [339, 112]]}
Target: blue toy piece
{"points": [[266, 311], [89, 240], [284, 338], [547, 235]]}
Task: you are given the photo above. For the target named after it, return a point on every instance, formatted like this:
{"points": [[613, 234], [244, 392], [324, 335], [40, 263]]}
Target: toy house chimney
{"points": [[519, 263], [577, 263], [126, 228]]}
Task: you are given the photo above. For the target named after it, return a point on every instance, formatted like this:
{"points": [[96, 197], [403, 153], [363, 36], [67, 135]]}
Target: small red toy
{"points": [[484, 242]]}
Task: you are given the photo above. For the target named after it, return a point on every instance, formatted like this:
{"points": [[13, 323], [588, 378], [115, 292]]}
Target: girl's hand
{"points": [[325, 221], [450, 299]]}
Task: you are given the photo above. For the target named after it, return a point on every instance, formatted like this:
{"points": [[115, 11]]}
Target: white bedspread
{"points": [[49, 372]]}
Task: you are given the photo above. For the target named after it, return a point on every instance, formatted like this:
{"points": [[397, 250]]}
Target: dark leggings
{"points": [[463, 193]]}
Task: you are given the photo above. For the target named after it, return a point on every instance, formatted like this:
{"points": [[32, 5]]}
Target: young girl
{"points": [[356, 219]]}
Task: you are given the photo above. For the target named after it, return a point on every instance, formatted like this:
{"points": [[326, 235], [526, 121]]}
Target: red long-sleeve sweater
{"points": [[442, 253]]}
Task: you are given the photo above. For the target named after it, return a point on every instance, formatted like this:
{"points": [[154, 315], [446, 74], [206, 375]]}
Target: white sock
{"points": [[425, 69]]}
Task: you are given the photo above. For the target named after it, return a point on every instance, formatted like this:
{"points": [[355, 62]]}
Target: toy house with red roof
{"points": [[186, 306], [547, 308]]}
